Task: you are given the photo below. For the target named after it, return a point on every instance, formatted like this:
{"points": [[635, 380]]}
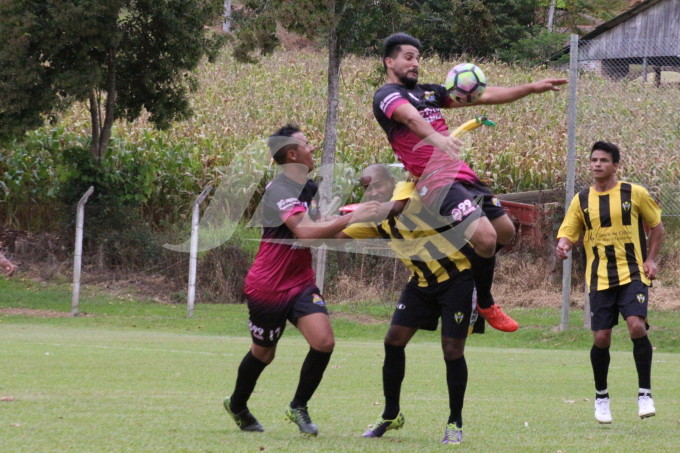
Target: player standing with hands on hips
{"points": [[410, 115], [620, 267]]}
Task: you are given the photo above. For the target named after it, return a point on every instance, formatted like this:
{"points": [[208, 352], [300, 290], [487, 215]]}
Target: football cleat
{"points": [[602, 413], [453, 435], [646, 406], [381, 426], [244, 419], [300, 416], [497, 319]]}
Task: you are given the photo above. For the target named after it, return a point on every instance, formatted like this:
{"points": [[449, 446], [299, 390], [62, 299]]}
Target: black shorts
{"points": [[421, 307], [630, 299], [268, 313], [463, 199]]}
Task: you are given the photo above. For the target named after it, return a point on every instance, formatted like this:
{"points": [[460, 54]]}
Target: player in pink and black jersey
{"points": [[280, 285], [410, 114]]}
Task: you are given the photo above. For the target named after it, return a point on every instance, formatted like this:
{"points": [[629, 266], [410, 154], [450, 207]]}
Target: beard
{"points": [[409, 82]]}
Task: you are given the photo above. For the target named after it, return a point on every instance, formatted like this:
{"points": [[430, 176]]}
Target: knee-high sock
{"points": [[310, 376], [482, 272], [599, 358], [456, 380], [642, 353], [248, 373], [394, 369]]}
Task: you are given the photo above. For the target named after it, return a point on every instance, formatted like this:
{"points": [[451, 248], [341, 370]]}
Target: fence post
{"points": [[78, 255], [571, 172], [193, 250]]}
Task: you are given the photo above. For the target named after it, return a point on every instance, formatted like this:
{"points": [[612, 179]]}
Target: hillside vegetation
{"points": [[239, 104]]}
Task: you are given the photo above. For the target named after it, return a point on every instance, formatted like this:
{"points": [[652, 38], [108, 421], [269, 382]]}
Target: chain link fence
{"points": [[628, 93]]}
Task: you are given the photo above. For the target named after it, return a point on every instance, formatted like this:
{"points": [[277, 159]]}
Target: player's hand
{"points": [[368, 212], [548, 85], [7, 266], [650, 269], [562, 250], [449, 144]]}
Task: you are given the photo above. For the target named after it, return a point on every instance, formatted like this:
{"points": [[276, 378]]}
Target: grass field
{"points": [[141, 377]]}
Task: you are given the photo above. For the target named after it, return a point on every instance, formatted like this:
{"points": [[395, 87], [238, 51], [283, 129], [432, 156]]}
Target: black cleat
{"points": [[244, 419], [300, 416]]}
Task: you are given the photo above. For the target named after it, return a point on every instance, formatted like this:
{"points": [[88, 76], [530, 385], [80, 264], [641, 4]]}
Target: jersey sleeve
{"points": [[283, 201], [572, 225], [403, 191], [648, 208], [387, 99], [362, 231]]}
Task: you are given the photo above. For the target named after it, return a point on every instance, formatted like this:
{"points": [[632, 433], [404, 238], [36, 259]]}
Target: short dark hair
{"points": [[609, 148], [280, 142], [392, 44]]}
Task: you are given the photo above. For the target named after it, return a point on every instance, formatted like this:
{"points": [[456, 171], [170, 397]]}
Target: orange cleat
{"points": [[497, 319]]}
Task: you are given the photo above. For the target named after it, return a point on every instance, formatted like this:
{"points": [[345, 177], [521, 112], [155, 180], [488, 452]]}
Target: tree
{"points": [[120, 56]]}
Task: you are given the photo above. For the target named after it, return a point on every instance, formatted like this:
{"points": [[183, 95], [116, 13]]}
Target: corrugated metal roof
{"points": [[623, 17]]}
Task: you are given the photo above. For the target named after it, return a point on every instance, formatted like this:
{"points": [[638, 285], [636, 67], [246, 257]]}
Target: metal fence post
{"points": [[193, 251], [78, 255], [571, 172]]}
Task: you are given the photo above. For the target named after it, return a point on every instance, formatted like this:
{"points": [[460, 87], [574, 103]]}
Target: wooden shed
{"points": [[647, 35]]}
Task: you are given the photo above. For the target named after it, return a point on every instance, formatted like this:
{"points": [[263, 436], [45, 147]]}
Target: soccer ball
{"points": [[465, 83]]}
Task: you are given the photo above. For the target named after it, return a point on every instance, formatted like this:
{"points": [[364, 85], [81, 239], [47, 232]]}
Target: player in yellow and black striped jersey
{"points": [[441, 287], [621, 264]]}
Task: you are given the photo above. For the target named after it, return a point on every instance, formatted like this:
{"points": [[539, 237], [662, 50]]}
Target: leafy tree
{"points": [[121, 56]]}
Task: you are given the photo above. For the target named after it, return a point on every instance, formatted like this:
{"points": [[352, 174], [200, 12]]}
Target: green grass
{"points": [[141, 377]]}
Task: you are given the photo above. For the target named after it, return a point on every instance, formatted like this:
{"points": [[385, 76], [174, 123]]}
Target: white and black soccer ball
{"points": [[465, 83]]}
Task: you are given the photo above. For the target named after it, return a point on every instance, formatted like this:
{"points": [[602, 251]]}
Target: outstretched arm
{"points": [[503, 95], [303, 227]]}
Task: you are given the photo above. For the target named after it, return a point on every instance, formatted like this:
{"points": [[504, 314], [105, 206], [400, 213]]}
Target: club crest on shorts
{"points": [[495, 201], [641, 298], [317, 299], [459, 317]]}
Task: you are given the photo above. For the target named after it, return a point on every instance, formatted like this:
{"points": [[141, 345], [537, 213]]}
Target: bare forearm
{"points": [[503, 95], [654, 241], [321, 229]]}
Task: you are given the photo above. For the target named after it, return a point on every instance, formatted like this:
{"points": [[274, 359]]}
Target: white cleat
{"points": [[646, 406], [602, 413]]}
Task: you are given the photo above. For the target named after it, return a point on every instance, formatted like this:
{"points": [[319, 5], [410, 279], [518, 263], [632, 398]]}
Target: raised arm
{"points": [[503, 95]]}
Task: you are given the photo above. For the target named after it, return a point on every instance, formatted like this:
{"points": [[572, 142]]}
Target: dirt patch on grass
{"points": [[35, 313]]}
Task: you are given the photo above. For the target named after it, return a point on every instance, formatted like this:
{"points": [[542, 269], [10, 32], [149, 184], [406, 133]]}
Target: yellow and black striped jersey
{"points": [[415, 237], [614, 237]]}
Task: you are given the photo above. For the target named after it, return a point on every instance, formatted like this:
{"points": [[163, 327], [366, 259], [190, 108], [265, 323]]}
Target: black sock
{"points": [[456, 380], [642, 353], [394, 370], [599, 358], [248, 373], [482, 272], [310, 376]]}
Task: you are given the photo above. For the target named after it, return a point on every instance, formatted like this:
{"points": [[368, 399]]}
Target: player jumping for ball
{"points": [[410, 115]]}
